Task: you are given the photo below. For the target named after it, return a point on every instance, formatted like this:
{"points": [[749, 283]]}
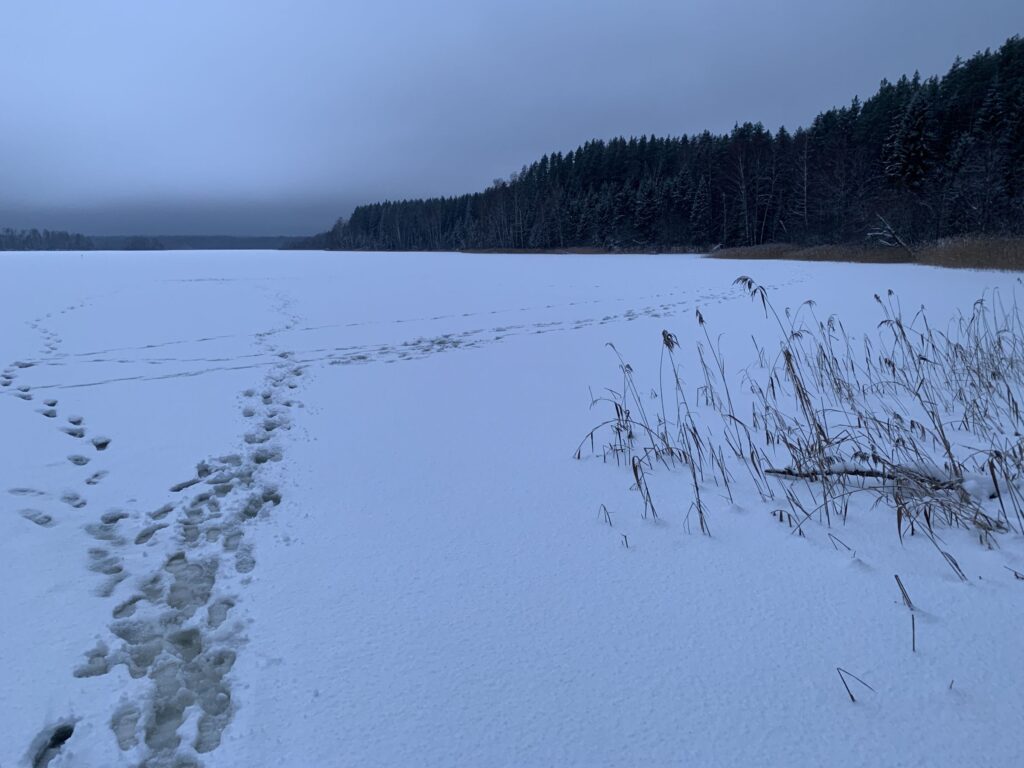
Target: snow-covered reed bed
{"points": [[924, 419]]}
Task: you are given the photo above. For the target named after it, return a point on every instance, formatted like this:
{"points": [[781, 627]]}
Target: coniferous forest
{"points": [[45, 240], [933, 158]]}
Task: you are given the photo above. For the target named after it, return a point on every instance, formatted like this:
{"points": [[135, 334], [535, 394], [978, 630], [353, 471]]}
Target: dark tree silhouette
{"points": [[34, 240], [937, 157]]}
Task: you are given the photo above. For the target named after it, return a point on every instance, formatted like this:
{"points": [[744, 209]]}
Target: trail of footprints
{"points": [[170, 626], [73, 426], [413, 348], [424, 346], [173, 629], [96, 355]]}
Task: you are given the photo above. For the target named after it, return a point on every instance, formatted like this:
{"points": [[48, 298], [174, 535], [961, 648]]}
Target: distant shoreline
{"points": [[192, 242], [1000, 253], [56, 240], [587, 251], [1005, 253]]}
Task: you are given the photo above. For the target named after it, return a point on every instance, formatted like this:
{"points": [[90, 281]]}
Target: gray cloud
{"points": [[275, 116]]}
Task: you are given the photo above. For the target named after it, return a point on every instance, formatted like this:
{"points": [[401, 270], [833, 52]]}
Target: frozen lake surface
{"points": [[324, 509]]}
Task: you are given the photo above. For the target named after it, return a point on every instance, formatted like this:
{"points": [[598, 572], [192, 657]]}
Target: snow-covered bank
{"points": [[435, 585]]}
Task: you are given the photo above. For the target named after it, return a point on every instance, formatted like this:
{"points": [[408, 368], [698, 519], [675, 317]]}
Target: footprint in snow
{"points": [[179, 487], [95, 477], [25, 492], [160, 514], [147, 533], [38, 517], [73, 499], [47, 745]]}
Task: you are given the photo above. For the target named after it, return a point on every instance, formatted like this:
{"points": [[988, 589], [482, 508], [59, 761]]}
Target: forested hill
{"points": [[45, 240], [934, 157]]}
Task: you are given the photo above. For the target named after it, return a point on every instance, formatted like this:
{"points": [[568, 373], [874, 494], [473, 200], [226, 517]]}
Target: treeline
{"points": [[126, 243], [192, 242], [935, 157], [45, 240]]}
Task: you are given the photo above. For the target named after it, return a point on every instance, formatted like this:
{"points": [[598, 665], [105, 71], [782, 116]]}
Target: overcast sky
{"points": [[278, 116]]}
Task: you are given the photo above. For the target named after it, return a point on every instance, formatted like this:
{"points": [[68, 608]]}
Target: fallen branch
{"points": [[935, 483], [889, 237]]}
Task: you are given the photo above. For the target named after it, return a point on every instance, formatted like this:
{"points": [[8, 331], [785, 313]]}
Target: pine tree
{"points": [[700, 213], [910, 152]]}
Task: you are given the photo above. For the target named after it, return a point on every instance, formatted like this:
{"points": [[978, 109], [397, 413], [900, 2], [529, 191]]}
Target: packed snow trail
{"points": [[173, 631], [181, 563]]}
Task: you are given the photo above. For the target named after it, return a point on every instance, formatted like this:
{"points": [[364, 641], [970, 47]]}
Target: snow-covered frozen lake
{"points": [[323, 509]]}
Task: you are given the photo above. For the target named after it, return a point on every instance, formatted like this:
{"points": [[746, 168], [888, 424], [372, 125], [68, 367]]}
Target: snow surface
{"points": [[390, 555]]}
